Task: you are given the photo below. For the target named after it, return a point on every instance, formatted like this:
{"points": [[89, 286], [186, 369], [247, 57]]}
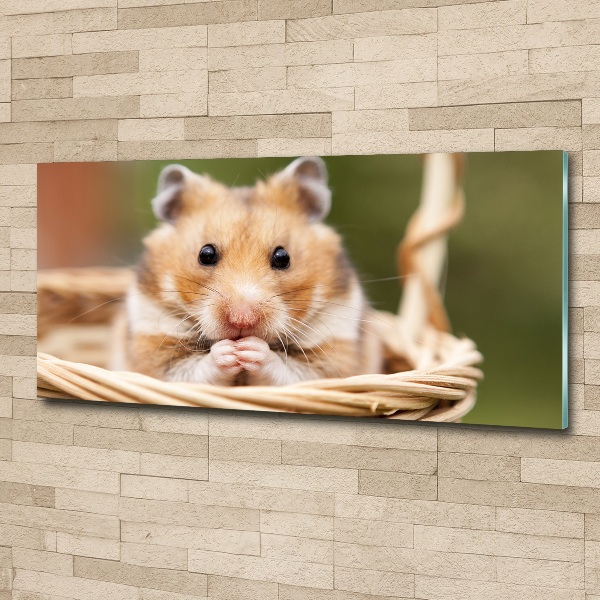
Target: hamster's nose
{"points": [[243, 316]]}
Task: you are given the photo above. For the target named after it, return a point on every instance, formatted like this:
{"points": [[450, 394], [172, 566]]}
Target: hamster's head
{"points": [[232, 262]]}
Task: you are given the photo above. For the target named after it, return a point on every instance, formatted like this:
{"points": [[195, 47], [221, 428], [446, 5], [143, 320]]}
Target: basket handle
{"points": [[422, 253]]}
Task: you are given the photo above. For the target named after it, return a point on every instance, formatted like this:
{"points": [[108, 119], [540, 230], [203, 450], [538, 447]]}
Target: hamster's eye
{"points": [[280, 259], [208, 255]]}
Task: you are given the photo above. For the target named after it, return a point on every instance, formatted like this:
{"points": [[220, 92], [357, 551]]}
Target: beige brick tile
{"points": [[535, 444], [591, 319], [262, 569], [71, 413], [23, 537], [591, 137], [273, 55], [142, 441], [150, 129], [396, 95], [373, 533], [28, 495], [374, 582], [150, 555], [231, 588], [298, 525], [5, 445], [245, 450], [71, 65], [60, 520], [591, 343], [585, 293], [31, 89], [162, 579], [154, 488], [41, 45], [180, 150], [539, 522], [584, 216], [296, 549], [195, 538], [539, 138], [174, 420], [387, 47], [293, 9], [173, 105], [76, 109], [181, 513], [84, 151], [362, 74], [358, 121], [43, 6], [564, 60], [5, 112], [140, 39], [16, 366], [84, 545], [517, 88], [134, 84], [285, 476], [77, 588], [248, 33], [369, 24], [549, 573], [68, 21], [397, 485], [18, 175], [50, 475], [200, 13], [38, 560], [294, 147], [25, 153], [517, 37], [474, 66], [539, 11], [15, 324], [402, 142], [353, 433], [174, 466], [479, 466], [25, 387], [447, 539], [248, 80], [17, 345], [23, 281], [76, 456], [561, 472], [252, 127], [590, 110], [150, 594], [592, 527], [246, 496], [51, 131], [5, 47], [492, 14], [519, 495], [436, 588], [592, 397], [86, 501], [169, 59], [591, 163], [359, 457], [5, 557]]}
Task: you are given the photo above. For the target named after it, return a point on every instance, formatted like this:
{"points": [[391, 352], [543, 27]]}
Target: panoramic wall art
{"points": [[391, 287]]}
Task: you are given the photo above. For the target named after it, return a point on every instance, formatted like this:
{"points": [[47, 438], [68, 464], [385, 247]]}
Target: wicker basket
{"points": [[431, 374]]}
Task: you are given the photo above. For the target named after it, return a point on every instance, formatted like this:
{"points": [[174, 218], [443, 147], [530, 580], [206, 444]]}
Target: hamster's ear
{"points": [[309, 173], [172, 181]]}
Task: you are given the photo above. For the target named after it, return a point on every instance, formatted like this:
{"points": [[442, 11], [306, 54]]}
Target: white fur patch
{"points": [[340, 319], [148, 317]]}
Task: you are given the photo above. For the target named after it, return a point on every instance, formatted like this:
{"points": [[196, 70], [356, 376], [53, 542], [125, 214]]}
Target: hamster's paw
{"points": [[253, 354], [224, 360]]}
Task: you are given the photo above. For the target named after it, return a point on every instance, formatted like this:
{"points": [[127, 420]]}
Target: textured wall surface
{"points": [[101, 502]]}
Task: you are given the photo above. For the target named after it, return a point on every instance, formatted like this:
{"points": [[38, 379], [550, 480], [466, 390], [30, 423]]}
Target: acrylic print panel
{"points": [[284, 294]]}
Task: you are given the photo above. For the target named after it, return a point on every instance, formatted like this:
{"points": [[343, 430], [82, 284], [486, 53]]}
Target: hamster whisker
{"points": [[311, 341], [294, 339]]}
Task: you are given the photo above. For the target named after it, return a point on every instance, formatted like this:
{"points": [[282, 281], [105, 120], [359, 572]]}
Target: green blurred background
{"points": [[504, 280]]}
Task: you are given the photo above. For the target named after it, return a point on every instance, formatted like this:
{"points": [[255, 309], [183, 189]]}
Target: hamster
{"points": [[247, 285]]}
